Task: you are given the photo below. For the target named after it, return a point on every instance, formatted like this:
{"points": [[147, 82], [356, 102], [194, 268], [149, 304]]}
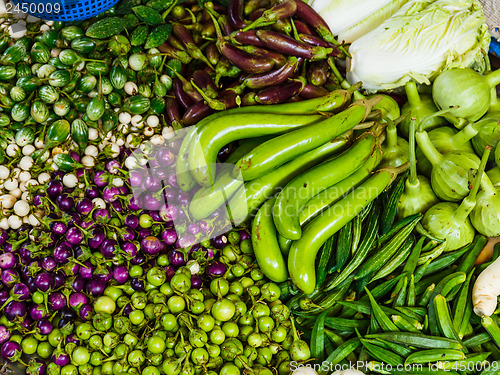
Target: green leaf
{"points": [[148, 15], [158, 36]]}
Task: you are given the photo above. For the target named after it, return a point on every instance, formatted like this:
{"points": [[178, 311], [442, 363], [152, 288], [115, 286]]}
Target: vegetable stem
{"points": [[425, 143], [493, 78], [413, 95], [469, 202], [413, 180]]}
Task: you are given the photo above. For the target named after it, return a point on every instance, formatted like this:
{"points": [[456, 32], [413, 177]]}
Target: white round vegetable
{"points": [[91, 150], [26, 163], [14, 221], [11, 184], [124, 118], [88, 161], [70, 180], [28, 150], [4, 172], [348, 372], [43, 177], [486, 289], [93, 134], [7, 201], [304, 370], [21, 208], [12, 149]]}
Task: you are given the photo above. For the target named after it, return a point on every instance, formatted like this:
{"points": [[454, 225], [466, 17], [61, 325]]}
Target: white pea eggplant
{"points": [[418, 195], [449, 175], [450, 221]]}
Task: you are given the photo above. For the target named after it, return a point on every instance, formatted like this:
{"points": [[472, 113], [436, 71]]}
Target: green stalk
{"points": [[430, 152], [413, 95], [493, 78], [391, 135], [469, 201], [412, 183]]}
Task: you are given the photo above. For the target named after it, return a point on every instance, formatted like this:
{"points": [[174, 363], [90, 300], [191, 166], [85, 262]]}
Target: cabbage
{"points": [[350, 19], [418, 42]]}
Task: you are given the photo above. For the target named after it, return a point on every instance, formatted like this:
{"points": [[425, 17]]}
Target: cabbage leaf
{"points": [[418, 42]]}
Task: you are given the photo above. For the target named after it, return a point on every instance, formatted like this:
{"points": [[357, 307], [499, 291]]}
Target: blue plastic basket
{"points": [[70, 10], [495, 47]]}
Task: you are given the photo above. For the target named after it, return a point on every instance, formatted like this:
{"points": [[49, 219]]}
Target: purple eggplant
{"points": [[86, 312], [177, 258], [78, 299], [10, 351], [7, 260], [62, 253], [44, 326], [247, 38], [152, 245], [9, 277], [15, 310], [273, 78], [101, 179], [57, 301], [4, 334], [44, 281], [108, 248], [120, 274], [216, 269], [54, 188], [96, 287], [235, 14], [280, 93], [84, 206]]}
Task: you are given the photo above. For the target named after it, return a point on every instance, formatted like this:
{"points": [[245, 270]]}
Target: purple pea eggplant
{"points": [[15, 310], [177, 258], [4, 334], [54, 188], [78, 299], [96, 287], [44, 326], [7, 260], [108, 248], [273, 78], [10, 351], [120, 274], [57, 301], [74, 236], [169, 236], [152, 245], [9, 277], [96, 238], [86, 312], [101, 179], [216, 269]]}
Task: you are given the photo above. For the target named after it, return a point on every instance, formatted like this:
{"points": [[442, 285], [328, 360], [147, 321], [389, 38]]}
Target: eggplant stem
{"points": [[413, 95], [469, 201], [413, 179], [493, 78], [430, 152]]}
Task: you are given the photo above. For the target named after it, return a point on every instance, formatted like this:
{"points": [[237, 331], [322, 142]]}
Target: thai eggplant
{"points": [[418, 195], [450, 221], [395, 150], [466, 90], [485, 216], [488, 133], [420, 106], [449, 171]]}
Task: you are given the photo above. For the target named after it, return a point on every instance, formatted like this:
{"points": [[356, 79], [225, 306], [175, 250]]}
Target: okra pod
{"points": [[444, 318], [434, 355], [385, 323], [424, 300], [404, 325], [491, 326], [461, 304], [383, 355], [341, 353], [343, 246], [417, 340], [397, 259], [377, 260]]}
